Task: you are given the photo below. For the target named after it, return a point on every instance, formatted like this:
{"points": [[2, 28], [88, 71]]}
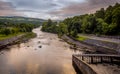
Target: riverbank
{"points": [[54, 56], [92, 45], [16, 39]]}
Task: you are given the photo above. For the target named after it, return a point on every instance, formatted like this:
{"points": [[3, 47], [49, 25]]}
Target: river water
{"points": [[45, 54]]}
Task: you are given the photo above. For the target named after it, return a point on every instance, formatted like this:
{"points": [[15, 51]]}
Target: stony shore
{"points": [[15, 40], [93, 46]]}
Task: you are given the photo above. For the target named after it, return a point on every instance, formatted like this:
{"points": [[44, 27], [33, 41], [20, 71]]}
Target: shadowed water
{"points": [[45, 54]]}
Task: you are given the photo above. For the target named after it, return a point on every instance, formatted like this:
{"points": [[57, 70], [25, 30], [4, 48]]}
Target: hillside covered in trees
{"points": [[10, 26], [103, 22]]}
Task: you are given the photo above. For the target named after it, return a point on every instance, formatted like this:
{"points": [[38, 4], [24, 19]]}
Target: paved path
{"points": [[100, 38]]}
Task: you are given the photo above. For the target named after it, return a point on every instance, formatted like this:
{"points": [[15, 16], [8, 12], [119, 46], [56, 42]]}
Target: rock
{"points": [[40, 46], [1, 53], [39, 42], [72, 47]]}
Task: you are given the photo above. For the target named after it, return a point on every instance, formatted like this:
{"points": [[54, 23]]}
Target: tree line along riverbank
{"points": [[105, 22]]}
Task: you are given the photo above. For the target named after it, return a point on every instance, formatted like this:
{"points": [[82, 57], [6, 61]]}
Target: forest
{"points": [[9, 28], [102, 22]]}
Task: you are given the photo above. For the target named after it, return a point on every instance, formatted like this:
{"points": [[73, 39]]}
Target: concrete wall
{"points": [[82, 66]]}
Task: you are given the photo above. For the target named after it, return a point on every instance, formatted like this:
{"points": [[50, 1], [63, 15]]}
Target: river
{"points": [[45, 54]]}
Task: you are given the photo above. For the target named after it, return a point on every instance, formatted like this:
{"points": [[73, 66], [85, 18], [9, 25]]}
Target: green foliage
{"points": [[81, 38], [50, 26], [89, 24], [105, 22], [74, 33], [5, 31], [105, 28], [62, 29], [100, 13], [29, 35], [9, 28], [98, 29], [108, 15], [3, 37]]}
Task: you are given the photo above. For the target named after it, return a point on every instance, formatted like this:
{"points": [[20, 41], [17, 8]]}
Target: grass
{"points": [[3, 37], [30, 35], [27, 35], [81, 38]]}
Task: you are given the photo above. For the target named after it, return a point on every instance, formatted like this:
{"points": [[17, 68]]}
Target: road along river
{"points": [[45, 54]]}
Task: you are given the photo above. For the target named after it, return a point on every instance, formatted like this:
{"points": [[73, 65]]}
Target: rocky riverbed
{"points": [[94, 45], [44, 54]]}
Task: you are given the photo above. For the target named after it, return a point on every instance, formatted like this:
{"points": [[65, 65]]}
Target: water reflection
{"points": [[54, 56]]}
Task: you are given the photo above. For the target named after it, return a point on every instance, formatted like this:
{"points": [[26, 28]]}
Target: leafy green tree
{"points": [[50, 26], [98, 29], [105, 22], [108, 15], [100, 13], [116, 19], [5, 31], [62, 29], [105, 28], [74, 33]]}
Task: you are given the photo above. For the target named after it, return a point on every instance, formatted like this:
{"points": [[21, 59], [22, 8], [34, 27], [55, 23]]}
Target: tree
{"points": [[49, 22], [74, 33], [5, 31], [62, 29], [116, 19], [108, 15], [106, 22], [100, 13], [50, 26], [105, 28]]}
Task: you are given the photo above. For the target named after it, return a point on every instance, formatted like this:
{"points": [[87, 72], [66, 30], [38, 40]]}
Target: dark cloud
{"points": [[90, 6], [56, 9]]}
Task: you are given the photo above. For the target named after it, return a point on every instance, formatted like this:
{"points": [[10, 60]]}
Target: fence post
{"points": [[91, 59]]}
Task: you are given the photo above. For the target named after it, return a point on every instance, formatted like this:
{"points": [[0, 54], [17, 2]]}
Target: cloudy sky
{"points": [[54, 9]]}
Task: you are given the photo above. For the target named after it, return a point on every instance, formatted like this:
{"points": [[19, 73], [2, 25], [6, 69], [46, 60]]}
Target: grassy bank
{"points": [[4, 37], [21, 37], [16, 39], [27, 35], [81, 38]]}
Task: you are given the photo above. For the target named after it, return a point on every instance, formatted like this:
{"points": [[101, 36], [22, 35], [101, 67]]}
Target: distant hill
{"points": [[19, 19]]}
